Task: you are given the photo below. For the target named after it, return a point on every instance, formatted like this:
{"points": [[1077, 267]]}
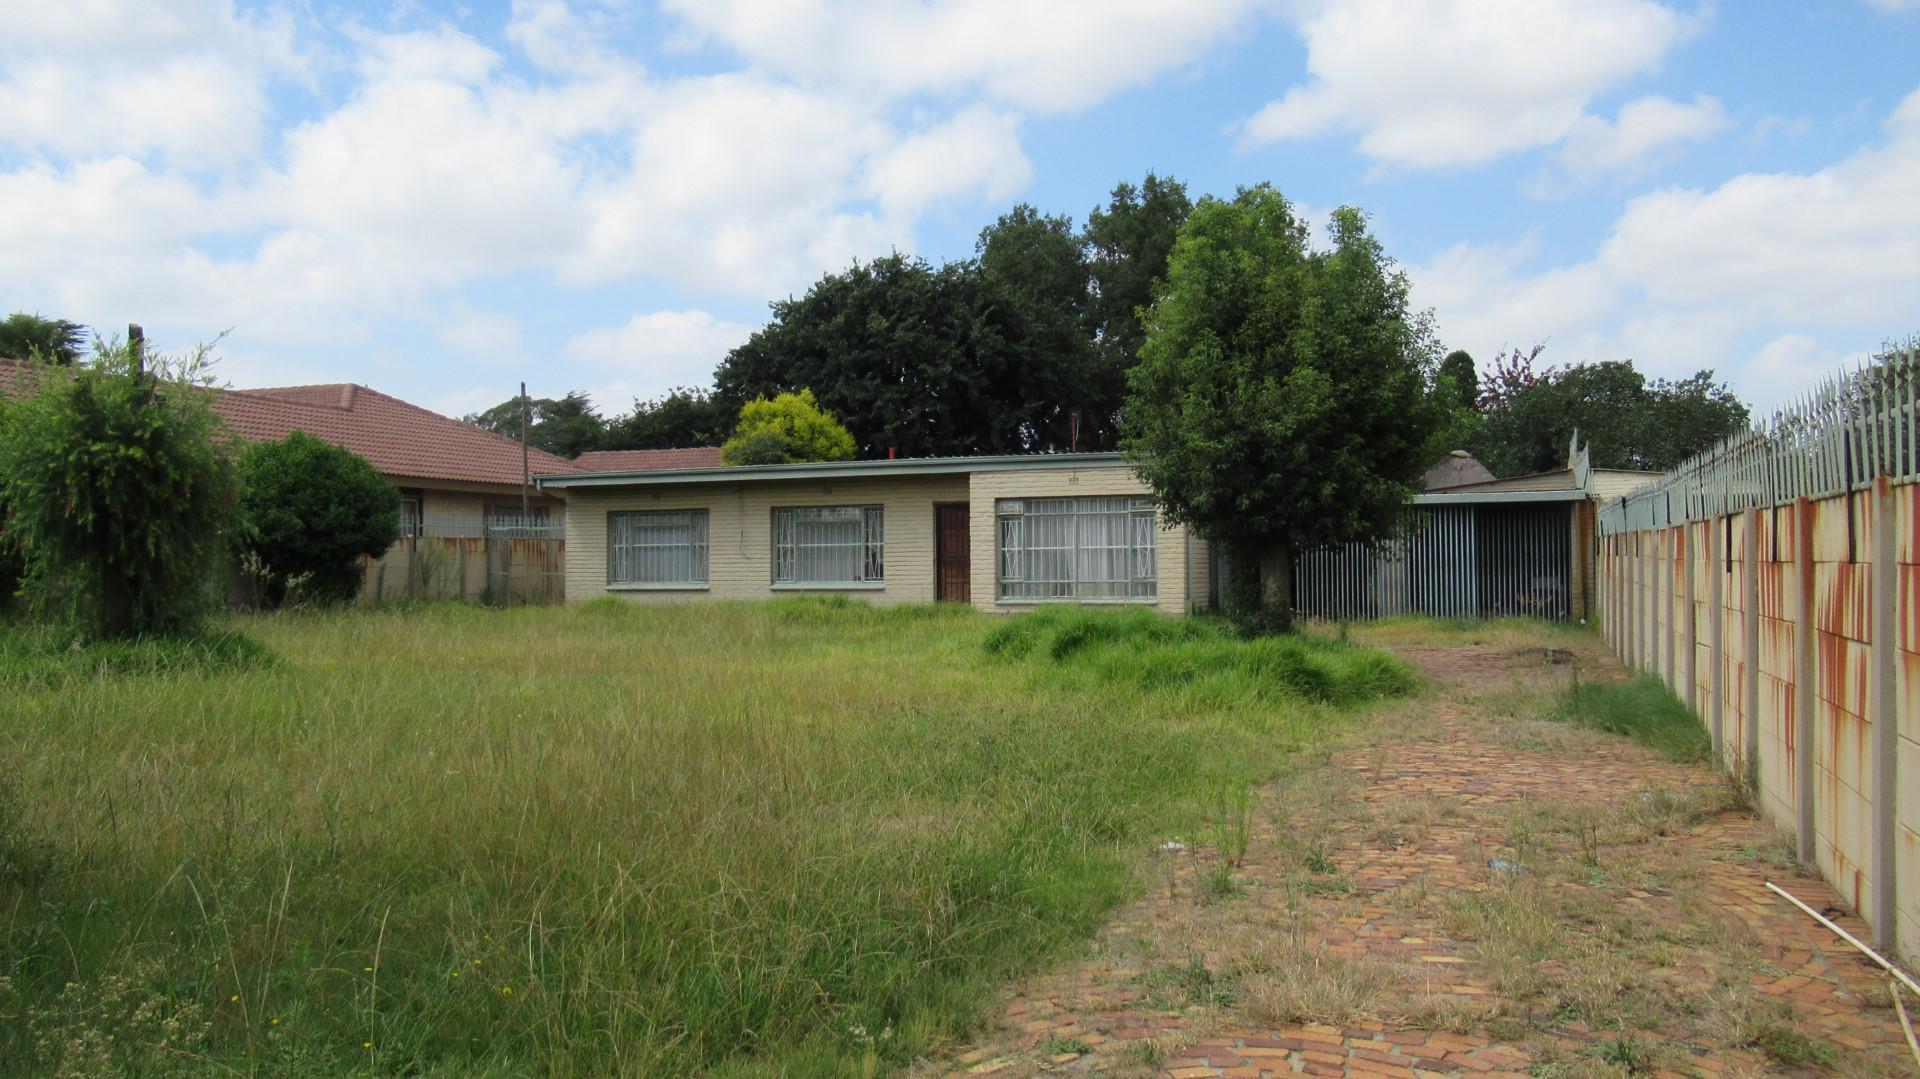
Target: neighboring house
{"points": [[1000, 533], [452, 476]]}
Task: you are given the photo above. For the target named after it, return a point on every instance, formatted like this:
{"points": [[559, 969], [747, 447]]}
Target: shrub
{"points": [[789, 427], [13, 562], [120, 490], [308, 509]]}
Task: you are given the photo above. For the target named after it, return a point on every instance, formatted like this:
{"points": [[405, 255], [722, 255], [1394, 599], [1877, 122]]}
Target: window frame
{"points": [[1011, 515], [699, 547], [873, 546]]}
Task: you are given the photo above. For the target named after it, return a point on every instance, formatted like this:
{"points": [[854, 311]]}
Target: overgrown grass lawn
{"points": [[797, 838]]}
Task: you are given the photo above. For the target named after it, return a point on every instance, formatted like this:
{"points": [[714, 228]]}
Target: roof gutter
{"points": [[829, 470]]}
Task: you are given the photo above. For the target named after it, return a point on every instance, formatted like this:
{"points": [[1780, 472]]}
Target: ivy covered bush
{"points": [[121, 492]]}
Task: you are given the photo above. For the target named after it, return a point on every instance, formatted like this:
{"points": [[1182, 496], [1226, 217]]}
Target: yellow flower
{"points": [[456, 974], [276, 1020], [234, 999], [506, 990], [366, 1045], [369, 970], [476, 962]]}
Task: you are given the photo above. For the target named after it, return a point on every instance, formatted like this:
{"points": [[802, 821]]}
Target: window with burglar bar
{"points": [[1077, 549], [829, 545], [665, 548]]}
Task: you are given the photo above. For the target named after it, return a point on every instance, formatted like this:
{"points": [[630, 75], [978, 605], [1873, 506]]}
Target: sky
{"points": [[442, 200]]}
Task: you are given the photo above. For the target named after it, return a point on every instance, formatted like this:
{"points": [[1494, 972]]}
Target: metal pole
{"points": [[525, 477]]}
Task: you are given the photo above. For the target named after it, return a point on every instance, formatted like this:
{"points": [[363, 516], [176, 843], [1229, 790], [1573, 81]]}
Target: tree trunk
{"points": [[1259, 590], [1276, 586]]}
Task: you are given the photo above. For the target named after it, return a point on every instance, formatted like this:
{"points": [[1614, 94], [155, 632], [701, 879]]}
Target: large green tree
{"points": [[1283, 399], [1128, 243], [308, 510], [55, 340], [1529, 416], [567, 426], [1037, 264], [684, 416], [913, 359], [121, 491]]}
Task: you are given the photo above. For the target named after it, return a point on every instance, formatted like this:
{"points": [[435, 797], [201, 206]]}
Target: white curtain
{"points": [[829, 545], [1078, 548]]}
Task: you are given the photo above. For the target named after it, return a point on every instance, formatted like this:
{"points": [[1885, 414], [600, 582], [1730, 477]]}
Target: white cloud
{"points": [[1646, 128], [1753, 277], [657, 351], [486, 335], [111, 78], [1061, 55], [977, 150], [1436, 83]]}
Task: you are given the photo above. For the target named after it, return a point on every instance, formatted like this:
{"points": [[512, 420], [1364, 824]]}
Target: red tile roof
{"points": [[647, 460], [399, 439], [403, 441]]}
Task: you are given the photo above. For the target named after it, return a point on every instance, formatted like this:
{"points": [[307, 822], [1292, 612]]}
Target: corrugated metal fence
{"points": [[1461, 562], [1773, 583]]}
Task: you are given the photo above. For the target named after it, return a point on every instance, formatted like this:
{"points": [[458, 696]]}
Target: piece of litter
{"points": [[1501, 865], [1173, 846]]}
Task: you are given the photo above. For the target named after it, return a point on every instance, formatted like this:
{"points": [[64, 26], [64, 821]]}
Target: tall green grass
{"points": [[1644, 710], [794, 838]]}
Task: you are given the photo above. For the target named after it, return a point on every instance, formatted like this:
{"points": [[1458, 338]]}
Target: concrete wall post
{"points": [[1750, 643], [1686, 673], [1716, 636], [1883, 751], [1805, 671]]}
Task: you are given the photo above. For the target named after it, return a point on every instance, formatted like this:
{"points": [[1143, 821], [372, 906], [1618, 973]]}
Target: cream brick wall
{"points": [[740, 534], [1180, 590]]}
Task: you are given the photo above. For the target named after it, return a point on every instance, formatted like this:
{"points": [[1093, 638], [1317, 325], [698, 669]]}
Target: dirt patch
{"points": [[1467, 887]]}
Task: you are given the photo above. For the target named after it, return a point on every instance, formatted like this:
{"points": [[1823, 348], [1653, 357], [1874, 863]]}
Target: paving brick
{"points": [[1483, 765]]}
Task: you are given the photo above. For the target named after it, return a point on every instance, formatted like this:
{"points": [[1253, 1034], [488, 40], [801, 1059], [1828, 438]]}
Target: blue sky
{"points": [[440, 200]]}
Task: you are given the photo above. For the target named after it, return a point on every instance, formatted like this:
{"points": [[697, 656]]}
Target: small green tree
{"points": [[1283, 397], [308, 509], [121, 491], [807, 431]]}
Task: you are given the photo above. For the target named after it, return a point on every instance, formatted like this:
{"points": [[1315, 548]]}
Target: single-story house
{"points": [[1000, 533]]}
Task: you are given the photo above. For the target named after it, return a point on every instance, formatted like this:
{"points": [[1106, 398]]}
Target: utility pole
{"points": [[137, 345], [526, 479]]}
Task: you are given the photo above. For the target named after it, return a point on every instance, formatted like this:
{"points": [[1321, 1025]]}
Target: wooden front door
{"points": [[952, 565]]}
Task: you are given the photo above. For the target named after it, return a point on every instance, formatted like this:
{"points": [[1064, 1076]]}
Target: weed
{"points": [[1222, 884], [1062, 1046], [1318, 860], [1626, 1052], [1311, 986], [1643, 710], [1792, 1048]]}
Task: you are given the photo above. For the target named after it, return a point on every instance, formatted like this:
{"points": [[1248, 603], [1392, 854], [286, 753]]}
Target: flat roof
{"points": [[820, 470]]}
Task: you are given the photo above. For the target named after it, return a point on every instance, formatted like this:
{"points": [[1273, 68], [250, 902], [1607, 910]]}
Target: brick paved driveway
{"points": [[1466, 888]]}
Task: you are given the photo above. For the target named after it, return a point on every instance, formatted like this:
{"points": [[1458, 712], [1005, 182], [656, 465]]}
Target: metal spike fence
{"points": [[1836, 439], [1772, 584]]}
